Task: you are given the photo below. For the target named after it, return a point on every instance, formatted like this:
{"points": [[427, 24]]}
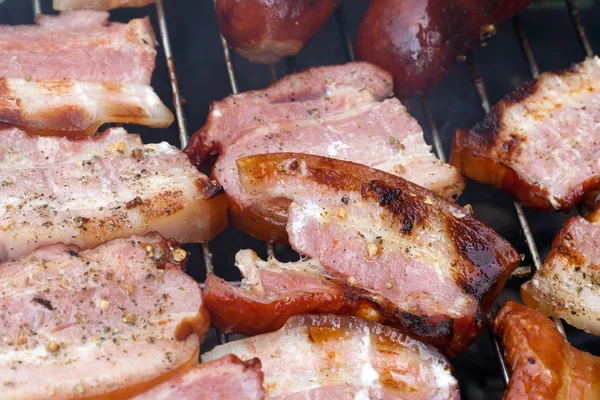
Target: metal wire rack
{"points": [[431, 123]]}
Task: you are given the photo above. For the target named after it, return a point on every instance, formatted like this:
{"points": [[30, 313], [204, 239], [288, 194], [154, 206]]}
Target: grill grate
{"points": [[431, 124]]}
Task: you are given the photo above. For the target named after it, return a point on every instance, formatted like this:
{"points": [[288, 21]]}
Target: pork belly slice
{"points": [[226, 378], [88, 191], [109, 321], [342, 357], [98, 4], [430, 267], [75, 109], [543, 365], [541, 143], [342, 112], [567, 285], [81, 46]]}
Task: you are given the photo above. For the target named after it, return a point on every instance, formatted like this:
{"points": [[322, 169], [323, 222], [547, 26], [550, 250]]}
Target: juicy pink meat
{"points": [[80, 46], [92, 190], [227, 378], [329, 357], [84, 323], [98, 4], [341, 112]]}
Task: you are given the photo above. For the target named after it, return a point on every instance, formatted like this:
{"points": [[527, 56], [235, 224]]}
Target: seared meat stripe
{"points": [[378, 246]]}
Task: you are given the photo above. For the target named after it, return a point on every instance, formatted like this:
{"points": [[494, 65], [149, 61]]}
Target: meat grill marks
{"points": [[76, 109], [339, 111], [109, 321], [381, 244], [542, 363], [567, 285], [92, 190], [80, 46], [329, 357], [98, 4], [541, 143], [227, 378]]}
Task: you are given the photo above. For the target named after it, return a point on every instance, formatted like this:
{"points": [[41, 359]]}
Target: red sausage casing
{"points": [[265, 31], [418, 41]]}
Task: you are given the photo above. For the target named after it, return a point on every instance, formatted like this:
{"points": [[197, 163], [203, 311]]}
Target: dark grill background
{"points": [[454, 103]]}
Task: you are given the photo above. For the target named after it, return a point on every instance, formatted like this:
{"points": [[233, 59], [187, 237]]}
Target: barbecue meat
{"points": [[541, 142], [227, 378], [98, 4], [418, 41], [329, 357], [265, 31], [80, 46], [421, 263], [542, 363], [568, 284], [92, 190], [76, 109], [341, 111], [108, 321]]}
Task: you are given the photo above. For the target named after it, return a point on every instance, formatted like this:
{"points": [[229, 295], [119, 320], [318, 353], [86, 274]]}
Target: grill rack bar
{"points": [[576, 19], [177, 103], [181, 121]]}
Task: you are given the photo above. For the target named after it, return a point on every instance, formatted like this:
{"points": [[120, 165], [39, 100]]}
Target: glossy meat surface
{"points": [[567, 285], [341, 111], [92, 190], [98, 4], [541, 143], [80, 46], [265, 31], [432, 268], [543, 365], [76, 109], [329, 357], [418, 41], [108, 321], [226, 378]]}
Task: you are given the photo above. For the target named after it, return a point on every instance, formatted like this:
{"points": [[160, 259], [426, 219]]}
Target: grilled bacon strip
{"points": [[330, 357], [567, 285], [340, 111], [540, 143], [227, 378], [110, 321], [75, 109], [95, 189], [81, 46], [98, 4], [426, 265], [543, 365]]}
